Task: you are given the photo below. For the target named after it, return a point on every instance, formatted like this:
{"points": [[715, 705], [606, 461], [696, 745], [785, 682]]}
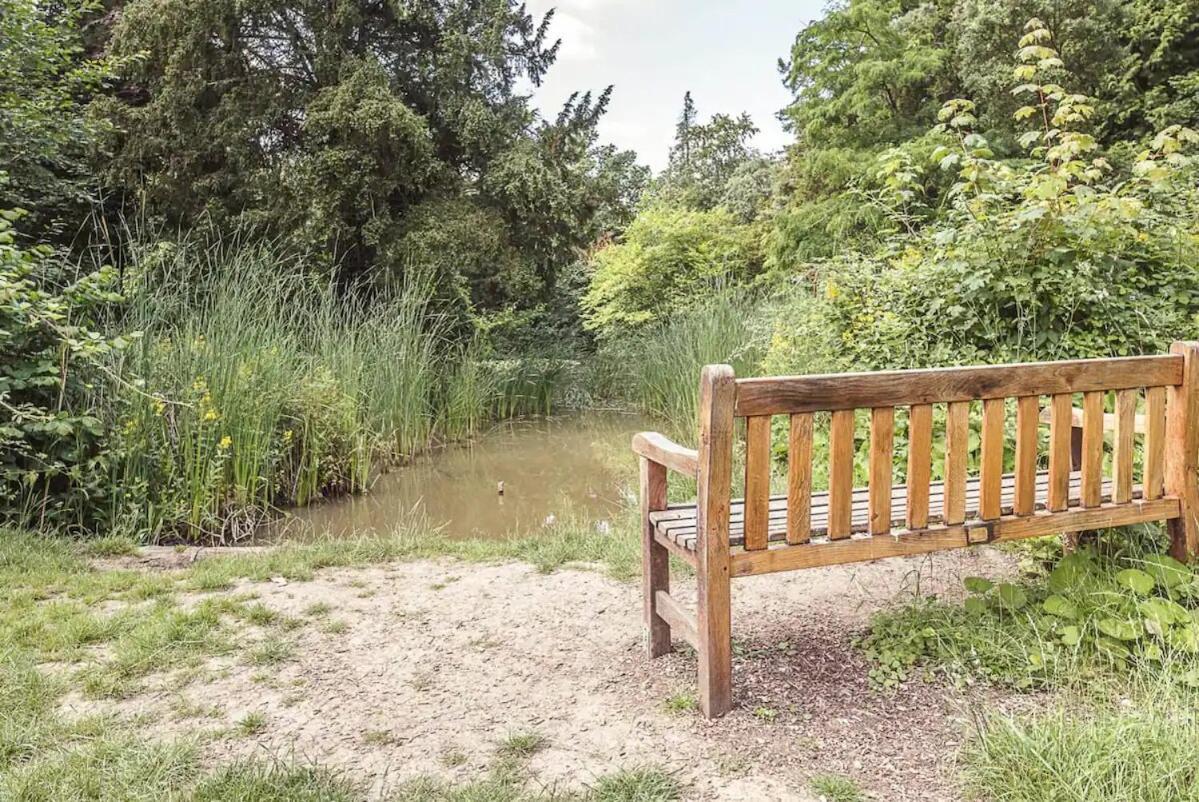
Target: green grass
{"points": [[522, 744], [835, 788], [681, 702], [1143, 746], [252, 723]]}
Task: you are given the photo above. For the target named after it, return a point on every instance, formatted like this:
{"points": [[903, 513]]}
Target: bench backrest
{"points": [[1164, 388]]}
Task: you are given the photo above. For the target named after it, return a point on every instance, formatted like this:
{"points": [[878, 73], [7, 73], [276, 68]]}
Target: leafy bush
{"points": [[1046, 258], [669, 260], [1090, 616], [53, 462]]}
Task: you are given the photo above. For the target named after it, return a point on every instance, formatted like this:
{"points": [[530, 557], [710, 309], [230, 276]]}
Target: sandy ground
{"points": [[438, 658]]}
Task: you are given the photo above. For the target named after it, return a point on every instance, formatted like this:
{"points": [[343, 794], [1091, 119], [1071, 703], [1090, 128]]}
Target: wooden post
{"points": [[717, 395], [655, 559], [1182, 453]]}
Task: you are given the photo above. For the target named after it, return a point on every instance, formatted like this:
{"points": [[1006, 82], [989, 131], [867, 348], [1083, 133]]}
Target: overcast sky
{"points": [[653, 51]]}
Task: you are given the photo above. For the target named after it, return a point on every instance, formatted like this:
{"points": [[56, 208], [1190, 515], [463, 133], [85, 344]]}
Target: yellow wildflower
{"points": [[226, 441], [211, 414]]}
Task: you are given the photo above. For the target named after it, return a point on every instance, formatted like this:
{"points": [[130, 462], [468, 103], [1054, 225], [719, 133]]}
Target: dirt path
{"points": [[415, 663]]}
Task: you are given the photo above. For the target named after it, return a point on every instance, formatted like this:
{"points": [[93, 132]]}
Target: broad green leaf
{"points": [[1115, 628], [1011, 596], [1136, 580], [1061, 607], [977, 584]]}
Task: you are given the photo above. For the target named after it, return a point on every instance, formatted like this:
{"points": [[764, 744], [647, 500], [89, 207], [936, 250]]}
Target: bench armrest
{"points": [[660, 449], [1109, 420]]}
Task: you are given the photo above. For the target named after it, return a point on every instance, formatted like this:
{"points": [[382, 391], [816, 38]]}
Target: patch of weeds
{"points": [[522, 744], [766, 714], [732, 765], [645, 784], [421, 681], [334, 626], [378, 737], [252, 723], [682, 702], [836, 788], [1091, 616], [453, 758], [107, 546], [258, 614], [274, 782], [318, 609], [270, 651], [185, 709]]}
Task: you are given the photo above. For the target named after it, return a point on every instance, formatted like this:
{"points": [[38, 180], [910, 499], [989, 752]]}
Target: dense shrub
{"points": [[669, 259], [1049, 257], [53, 463]]}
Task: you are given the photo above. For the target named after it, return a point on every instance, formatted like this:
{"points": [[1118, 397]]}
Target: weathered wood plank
{"points": [[1027, 415], [1182, 453], [840, 465], [799, 478], [920, 445], [790, 394], [660, 449], [957, 445], [1153, 471], [859, 549], [655, 560], [1092, 448], [1122, 448], [991, 469], [757, 480], [717, 395], [1060, 425], [681, 622], [882, 447]]}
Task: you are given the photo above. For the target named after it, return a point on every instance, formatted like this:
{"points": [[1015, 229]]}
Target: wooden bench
{"points": [[722, 537]]}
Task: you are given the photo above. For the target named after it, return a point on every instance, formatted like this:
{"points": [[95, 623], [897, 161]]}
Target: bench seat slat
{"points": [[678, 524]]}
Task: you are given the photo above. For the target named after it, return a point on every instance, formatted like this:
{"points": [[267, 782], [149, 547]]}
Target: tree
{"points": [[704, 157], [670, 258], [346, 129], [870, 72], [45, 134]]}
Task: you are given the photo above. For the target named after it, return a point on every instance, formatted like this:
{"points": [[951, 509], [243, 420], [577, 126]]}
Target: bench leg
{"points": [[715, 641], [655, 560]]}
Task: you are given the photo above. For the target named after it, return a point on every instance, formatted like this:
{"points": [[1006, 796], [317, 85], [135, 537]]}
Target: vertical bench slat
{"points": [[920, 457], [991, 472], [1153, 472], [1092, 449], [1060, 425], [840, 474], [1126, 411], [957, 446], [757, 481], [1027, 419], [799, 479], [882, 446]]}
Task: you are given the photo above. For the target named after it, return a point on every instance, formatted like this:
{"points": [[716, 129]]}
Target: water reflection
{"points": [[517, 479]]}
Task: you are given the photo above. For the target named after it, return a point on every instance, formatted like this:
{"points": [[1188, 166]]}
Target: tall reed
{"points": [[255, 385], [658, 369]]}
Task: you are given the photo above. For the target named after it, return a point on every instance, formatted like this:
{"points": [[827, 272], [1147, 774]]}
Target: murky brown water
{"points": [[551, 469]]}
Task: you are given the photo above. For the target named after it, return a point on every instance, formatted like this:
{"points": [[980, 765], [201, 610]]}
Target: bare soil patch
{"points": [[424, 667]]}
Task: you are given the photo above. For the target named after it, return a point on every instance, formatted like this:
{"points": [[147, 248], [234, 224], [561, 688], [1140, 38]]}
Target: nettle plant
{"points": [[53, 463]]}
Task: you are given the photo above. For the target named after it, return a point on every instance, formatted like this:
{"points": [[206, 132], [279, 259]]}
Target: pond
{"points": [[517, 479]]}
